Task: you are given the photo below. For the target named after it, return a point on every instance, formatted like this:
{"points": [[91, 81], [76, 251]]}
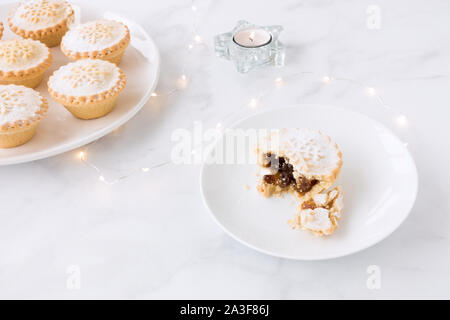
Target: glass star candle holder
{"points": [[250, 46]]}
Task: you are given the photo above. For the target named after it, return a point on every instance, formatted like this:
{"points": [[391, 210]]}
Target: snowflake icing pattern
{"points": [[10, 100], [86, 74], [308, 149], [38, 11], [12, 51], [97, 31]]}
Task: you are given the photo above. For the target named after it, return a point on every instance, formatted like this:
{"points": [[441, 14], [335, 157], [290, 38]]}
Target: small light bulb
{"points": [[402, 121], [253, 103], [145, 169], [218, 125], [81, 155], [154, 94], [182, 82], [198, 39], [101, 178], [326, 79], [278, 81], [190, 46], [371, 91], [194, 8]]}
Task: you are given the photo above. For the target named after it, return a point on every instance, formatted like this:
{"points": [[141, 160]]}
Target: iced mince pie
{"points": [[23, 62], [100, 39], [88, 88], [21, 110], [303, 162], [43, 20], [320, 214]]}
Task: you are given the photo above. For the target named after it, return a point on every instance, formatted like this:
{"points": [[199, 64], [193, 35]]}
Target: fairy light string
{"points": [[253, 104]]}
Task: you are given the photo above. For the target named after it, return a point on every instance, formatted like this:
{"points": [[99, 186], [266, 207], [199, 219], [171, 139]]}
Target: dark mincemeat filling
{"points": [[310, 204], [284, 177]]}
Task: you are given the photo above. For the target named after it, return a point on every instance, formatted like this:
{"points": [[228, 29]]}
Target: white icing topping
{"points": [[21, 54], [95, 35], [329, 206], [18, 103], [40, 14], [85, 77], [316, 220], [310, 152], [320, 199]]}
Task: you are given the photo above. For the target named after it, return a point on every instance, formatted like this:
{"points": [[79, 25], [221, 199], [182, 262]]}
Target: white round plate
{"points": [[379, 179], [60, 131]]}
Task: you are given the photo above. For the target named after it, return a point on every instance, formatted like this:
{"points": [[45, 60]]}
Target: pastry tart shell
{"points": [[20, 132], [50, 36], [31, 77], [94, 106], [112, 54]]}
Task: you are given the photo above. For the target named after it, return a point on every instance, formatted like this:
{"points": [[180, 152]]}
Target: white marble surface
{"points": [[150, 236]]}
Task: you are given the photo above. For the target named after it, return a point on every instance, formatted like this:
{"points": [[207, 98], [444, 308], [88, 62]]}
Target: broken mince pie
{"points": [[303, 162]]}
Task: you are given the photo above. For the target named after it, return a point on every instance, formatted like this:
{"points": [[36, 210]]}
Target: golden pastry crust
{"points": [[50, 36], [113, 53], [22, 125], [86, 100], [1, 29], [17, 75]]}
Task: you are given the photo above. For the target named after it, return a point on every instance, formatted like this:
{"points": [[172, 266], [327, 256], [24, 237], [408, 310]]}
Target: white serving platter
{"points": [[60, 131]]}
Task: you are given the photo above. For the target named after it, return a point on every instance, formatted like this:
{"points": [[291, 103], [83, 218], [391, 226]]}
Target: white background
{"points": [[149, 236]]}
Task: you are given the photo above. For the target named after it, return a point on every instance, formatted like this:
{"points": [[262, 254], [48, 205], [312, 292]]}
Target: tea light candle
{"points": [[252, 38], [249, 46]]}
